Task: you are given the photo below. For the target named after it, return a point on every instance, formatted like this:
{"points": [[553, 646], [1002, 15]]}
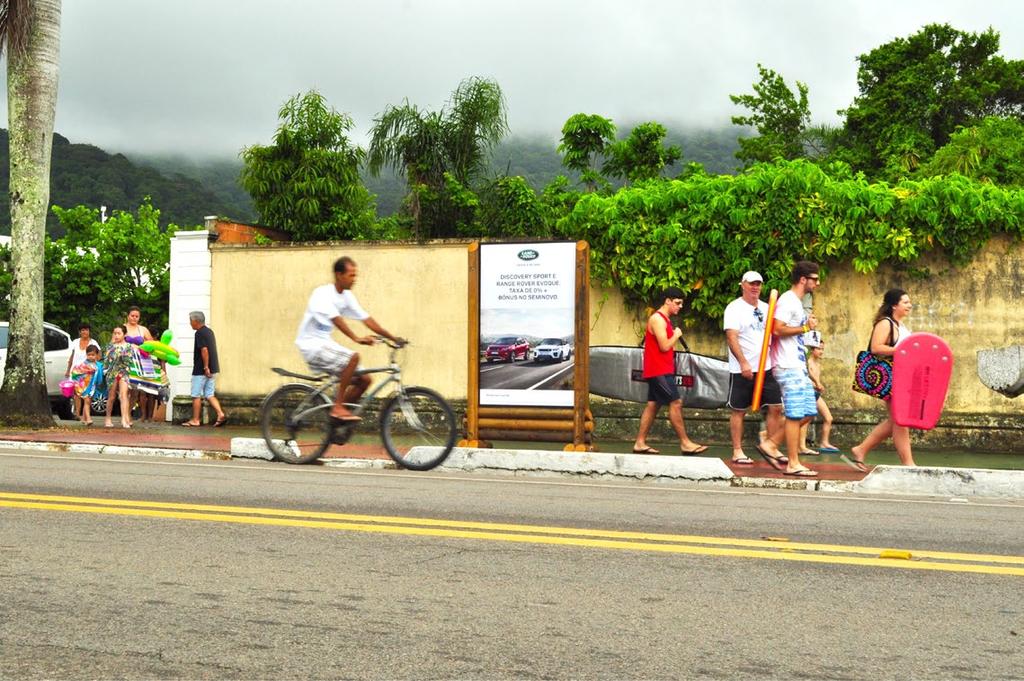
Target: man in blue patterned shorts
{"points": [[789, 367]]}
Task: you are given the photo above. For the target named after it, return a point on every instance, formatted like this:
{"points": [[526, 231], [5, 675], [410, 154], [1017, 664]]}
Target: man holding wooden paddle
{"points": [[745, 321], [789, 367]]}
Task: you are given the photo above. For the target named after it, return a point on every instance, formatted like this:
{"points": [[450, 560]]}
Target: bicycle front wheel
{"points": [[418, 428], [295, 420]]}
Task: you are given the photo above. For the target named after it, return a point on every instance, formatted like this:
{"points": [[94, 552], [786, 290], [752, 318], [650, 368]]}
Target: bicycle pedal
{"points": [[341, 434]]}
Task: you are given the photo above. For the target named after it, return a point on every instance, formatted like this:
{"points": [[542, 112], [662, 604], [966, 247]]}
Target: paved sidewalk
{"points": [[218, 440], [167, 436], [615, 460], [208, 439]]}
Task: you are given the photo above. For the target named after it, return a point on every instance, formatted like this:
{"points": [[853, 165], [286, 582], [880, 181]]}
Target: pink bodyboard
{"points": [[921, 370]]}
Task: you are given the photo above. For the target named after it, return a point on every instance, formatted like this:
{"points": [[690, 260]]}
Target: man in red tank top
{"points": [[660, 374]]}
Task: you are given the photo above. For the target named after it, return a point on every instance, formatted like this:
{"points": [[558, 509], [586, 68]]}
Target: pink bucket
{"points": [[67, 388]]}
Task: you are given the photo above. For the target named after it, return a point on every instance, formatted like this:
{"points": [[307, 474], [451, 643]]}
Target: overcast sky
{"points": [[206, 77]]}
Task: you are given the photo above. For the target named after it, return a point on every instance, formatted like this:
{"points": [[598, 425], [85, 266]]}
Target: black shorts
{"points": [[662, 389], [741, 391]]}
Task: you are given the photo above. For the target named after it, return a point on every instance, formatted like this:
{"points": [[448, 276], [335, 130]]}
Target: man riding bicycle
{"points": [[328, 308]]}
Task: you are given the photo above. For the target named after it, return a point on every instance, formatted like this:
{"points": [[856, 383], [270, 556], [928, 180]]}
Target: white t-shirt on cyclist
{"points": [[325, 303], [789, 352]]}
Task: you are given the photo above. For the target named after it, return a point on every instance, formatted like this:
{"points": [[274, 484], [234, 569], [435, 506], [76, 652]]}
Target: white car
{"points": [[56, 352], [552, 350]]}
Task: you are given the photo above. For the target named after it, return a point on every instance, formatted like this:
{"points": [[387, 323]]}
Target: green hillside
{"points": [[219, 176], [534, 158], [81, 174], [187, 189]]}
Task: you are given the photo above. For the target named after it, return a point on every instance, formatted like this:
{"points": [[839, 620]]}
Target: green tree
{"points": [[701, 233], [915, 92], [307, 183], [585, 141], [460, 205], [31, 33], [820, 141], [425, 145], [100, 268], [780, 117], [641, 156], [992, 151], [510, 207]]}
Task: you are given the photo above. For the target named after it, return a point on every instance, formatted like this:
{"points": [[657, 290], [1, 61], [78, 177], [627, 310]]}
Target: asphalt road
{"points": [[164, 568], [531, 375]]}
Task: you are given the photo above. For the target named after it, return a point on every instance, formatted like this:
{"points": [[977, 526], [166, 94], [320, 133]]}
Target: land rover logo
{"points": [[528, 254]]}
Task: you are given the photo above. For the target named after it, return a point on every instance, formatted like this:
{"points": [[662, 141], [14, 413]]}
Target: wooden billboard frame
{"points": [[542, 424]]}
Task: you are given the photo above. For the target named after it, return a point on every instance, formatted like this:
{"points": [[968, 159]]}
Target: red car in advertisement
{"points": [[507, 349]]}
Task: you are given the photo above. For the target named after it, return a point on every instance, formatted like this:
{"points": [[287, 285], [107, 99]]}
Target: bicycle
{"points": [[297, 427]]}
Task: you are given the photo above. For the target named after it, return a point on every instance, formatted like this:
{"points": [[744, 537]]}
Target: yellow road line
{"points": [[535, 529], [538, 529], [780, 551]]}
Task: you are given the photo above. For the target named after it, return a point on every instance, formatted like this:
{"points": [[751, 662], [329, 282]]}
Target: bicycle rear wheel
{"points": [[418, 428], [295, 420]]}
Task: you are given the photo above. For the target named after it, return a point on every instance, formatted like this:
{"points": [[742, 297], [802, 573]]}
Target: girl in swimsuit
{"points": [[136, 334], [116, 361]]}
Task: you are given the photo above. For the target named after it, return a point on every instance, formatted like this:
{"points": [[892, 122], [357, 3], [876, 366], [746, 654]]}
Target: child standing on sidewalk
{"points": [[816, 345], [116, 363], [88, 378], [77, 359]]}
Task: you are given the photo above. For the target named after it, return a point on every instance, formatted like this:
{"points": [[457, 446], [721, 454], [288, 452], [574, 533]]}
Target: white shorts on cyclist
{"points": [[329, 358]]}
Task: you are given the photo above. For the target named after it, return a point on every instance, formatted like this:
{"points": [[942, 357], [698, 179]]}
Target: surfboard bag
{"points": [[617, 372]]}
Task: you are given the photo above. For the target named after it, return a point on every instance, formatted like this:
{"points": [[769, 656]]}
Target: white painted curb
{"points": [[944, 482], [250, 448], [39, 446], [372, 464], [527, 460], [586, 463], [256, 448], [118, 450]]}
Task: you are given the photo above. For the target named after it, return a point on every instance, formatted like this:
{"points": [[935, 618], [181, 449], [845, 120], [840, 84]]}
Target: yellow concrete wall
{"points": [[973, 308], [259, 294]]}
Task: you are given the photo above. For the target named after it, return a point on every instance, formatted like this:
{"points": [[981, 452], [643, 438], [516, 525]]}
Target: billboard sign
{"points": [[527, 324]]}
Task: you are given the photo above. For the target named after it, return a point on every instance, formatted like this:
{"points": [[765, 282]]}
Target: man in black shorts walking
{"points": [[660, 374], [745, 321]]}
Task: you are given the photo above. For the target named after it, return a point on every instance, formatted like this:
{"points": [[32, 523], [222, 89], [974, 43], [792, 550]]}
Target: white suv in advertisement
{"points": [[56, 352], [552, 350]]}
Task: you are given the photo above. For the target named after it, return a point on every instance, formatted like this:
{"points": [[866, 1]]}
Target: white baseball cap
{"points": [[751, 277]]}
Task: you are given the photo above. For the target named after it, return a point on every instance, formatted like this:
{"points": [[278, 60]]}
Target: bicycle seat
{"points": [[292, 374]]}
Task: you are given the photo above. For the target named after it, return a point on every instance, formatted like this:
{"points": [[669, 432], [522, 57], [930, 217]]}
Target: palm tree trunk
{"points": [[32, 69]]}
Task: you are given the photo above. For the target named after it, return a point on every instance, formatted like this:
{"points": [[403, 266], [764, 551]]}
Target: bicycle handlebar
{"points": [[394, 345]]}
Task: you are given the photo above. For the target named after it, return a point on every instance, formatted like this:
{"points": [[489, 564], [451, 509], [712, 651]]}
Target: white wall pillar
{"points": [[191, 268]]}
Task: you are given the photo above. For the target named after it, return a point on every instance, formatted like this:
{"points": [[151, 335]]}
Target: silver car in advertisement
{"points": [[552, 350]]}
